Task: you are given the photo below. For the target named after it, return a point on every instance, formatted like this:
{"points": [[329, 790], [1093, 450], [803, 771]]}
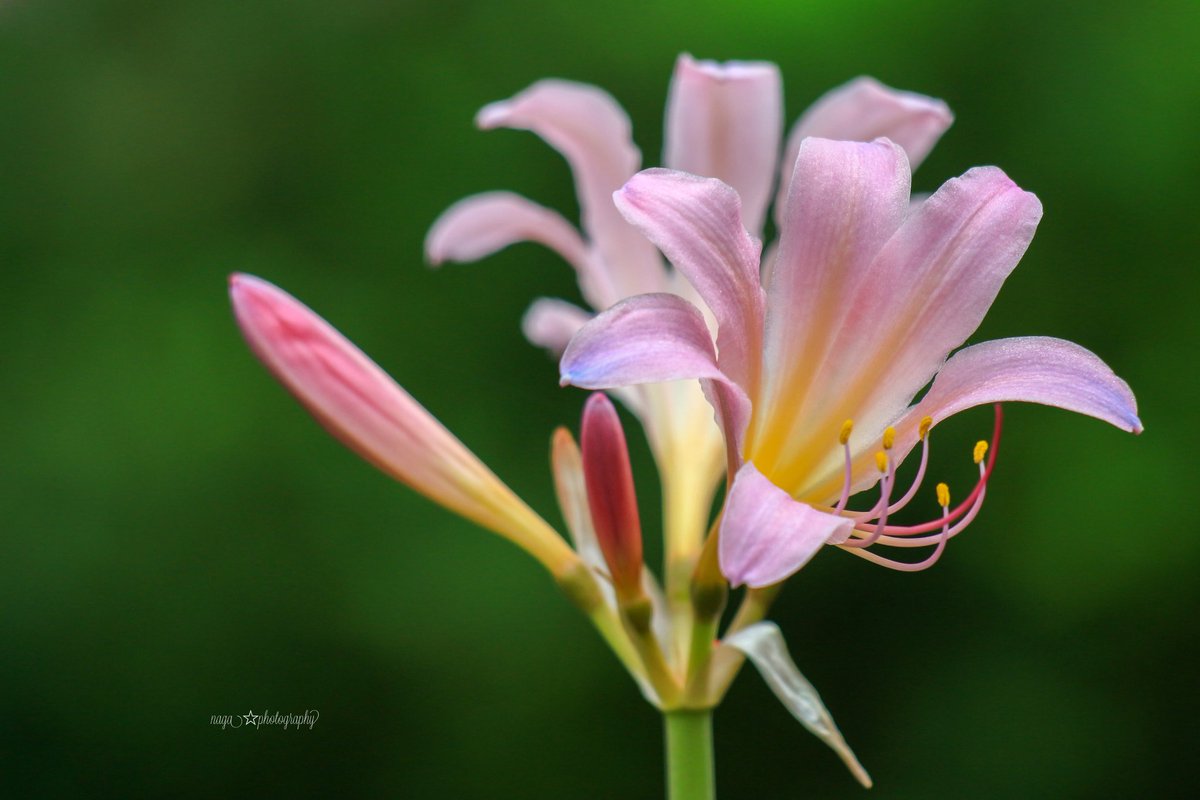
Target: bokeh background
{"points": [[180, 540]]}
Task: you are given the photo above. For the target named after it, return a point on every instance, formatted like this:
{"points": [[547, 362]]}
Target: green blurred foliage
{"points": [[180, 540]]}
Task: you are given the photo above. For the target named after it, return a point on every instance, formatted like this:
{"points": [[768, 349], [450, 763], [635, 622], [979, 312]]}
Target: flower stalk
{"points": [[689, 754]]}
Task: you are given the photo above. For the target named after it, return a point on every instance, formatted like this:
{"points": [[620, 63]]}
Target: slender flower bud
{"points": [[611, 495]]}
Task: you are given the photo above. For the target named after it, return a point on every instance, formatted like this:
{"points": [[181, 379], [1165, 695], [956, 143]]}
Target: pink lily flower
{"points": [[722, 120], [816, 363]]}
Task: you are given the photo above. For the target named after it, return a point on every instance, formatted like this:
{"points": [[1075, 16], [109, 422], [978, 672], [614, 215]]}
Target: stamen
{"points": [[961, 516], [923, 433], [885, 492], [906, 566], [844, 439], [985, 473], [889, 437]]}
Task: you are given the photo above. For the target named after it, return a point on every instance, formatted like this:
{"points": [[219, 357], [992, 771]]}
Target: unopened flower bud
{"points": [[611, 495]]}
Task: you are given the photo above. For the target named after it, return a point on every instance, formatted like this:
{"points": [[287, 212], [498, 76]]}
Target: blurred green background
{"points": [[180, 540]]}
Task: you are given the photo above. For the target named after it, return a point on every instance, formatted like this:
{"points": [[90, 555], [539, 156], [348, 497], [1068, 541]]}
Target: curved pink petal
{"points": [[592, 132], [550, 323], [927, 291], [847, 200], [656, 338], [935, 280], [482, 224], [649, 338], [766, 535], [862, 110], [697, 224], [1028, 369], [725, 121], [360, 405]]}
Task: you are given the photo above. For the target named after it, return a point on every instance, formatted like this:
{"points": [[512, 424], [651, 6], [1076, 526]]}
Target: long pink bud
{"points": [[359, 404], [611, 495]]}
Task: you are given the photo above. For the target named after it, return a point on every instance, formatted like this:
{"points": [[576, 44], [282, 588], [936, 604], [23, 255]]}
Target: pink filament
{"points": [[897, 535]]}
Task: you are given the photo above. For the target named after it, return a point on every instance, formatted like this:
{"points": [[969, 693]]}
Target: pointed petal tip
{"points": [[492, 115]]}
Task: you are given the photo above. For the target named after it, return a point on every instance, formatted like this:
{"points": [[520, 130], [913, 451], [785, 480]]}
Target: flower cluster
{"points": [[790, 373]]}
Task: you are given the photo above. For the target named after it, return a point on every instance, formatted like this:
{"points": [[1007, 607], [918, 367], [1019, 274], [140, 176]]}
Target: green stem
{"points": [[690, 755]]}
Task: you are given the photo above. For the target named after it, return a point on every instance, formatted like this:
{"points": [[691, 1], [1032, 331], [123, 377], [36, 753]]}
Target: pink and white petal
{"points": [[847, 200], [928, 290], [697, 224], [655, 338], [550, 323], [862, 110], [649, 338], [482, 224], [766, 535], [725, 121], [592, 132], [360, 405], [763, 644], [1027, 369]]}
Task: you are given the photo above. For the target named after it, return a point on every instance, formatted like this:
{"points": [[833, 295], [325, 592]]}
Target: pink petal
{"points": [[482, 224], [766, 535], [847, 199], [550, 323], [862, 110], [927, 291], [364, 408], [725, 121], [655, 338], [592, 132], [1030, 369], [646, 339], [697, 224]]}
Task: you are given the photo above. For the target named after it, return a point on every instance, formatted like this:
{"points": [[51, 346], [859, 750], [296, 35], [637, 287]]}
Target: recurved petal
{"points": [[550, 323], [697, 224], [360, 405], [725, 121], [766, 535], [592, 132], [865, 109], [649, 338], [656, 338], [1030, 369], [481, 224]]}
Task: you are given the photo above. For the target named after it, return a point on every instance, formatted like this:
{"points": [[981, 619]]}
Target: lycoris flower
{"points": [[815, 366], [722, 121], [811, 358]]}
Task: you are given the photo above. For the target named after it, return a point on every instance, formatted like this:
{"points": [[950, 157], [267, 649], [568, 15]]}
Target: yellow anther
{"points": [[980, 450], [847, 426], [926, 424], [889, 437], [881, 460], [943, 493]]}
